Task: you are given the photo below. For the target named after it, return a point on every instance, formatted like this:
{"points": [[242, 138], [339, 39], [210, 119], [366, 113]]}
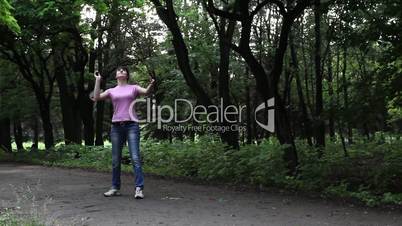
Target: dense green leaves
{"points": [[6, 17]]}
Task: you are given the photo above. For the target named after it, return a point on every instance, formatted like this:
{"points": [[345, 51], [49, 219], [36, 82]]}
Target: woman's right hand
{"points": [[97, 75], [96, 93]]}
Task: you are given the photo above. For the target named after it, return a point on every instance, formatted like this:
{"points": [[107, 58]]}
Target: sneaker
{"points": [[138, 193], [112, 192]]}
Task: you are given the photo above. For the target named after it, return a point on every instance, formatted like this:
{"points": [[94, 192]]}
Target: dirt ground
{"points": [[75, 197]]}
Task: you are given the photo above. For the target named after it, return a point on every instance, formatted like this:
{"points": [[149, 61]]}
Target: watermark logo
{"points": [[269, 104], [208, 118]]}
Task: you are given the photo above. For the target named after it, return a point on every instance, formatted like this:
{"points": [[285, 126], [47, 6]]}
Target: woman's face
{"points": [[121, 73]]}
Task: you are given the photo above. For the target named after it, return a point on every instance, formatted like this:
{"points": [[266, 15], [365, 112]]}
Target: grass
{"points": [[30, 207], [25, 209], [9, 218]]}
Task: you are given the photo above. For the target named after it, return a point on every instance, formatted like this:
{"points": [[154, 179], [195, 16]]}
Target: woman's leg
{"points": [[133, 138], [118, 138]]}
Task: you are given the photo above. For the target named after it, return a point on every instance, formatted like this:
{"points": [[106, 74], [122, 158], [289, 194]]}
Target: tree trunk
{"points": [[18, 134], [320, 123], [306, 122], [87, 106], [5, 136], [99, 105], [248, 115], [35, 129], [331, 124], [346, 94], [339, 122], [231, 137], [306, 70], [44, 110], [285, 135], [70, 115], [87, 117]]}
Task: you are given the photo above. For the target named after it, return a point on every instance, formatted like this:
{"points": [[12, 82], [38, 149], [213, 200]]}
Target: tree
{"points": [[267, 83], [168, 15]]}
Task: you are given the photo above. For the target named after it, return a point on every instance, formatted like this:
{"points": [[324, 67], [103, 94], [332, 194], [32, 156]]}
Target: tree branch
{"points": [[278, 3], [299, 8], [214, 20], [226, 14]]}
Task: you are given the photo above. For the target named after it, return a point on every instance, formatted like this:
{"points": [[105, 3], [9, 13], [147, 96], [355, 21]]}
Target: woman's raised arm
{"points": [[97, 95], [145, 91]]}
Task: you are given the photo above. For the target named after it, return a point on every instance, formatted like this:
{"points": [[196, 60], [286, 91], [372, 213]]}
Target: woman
{"points": [[124, 127]]}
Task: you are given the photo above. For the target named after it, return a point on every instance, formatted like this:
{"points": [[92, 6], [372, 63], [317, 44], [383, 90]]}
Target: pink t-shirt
{"points": [[122, 97]]}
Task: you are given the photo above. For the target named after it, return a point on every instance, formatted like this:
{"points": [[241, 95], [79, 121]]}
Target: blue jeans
{"points": [[119, 135]]}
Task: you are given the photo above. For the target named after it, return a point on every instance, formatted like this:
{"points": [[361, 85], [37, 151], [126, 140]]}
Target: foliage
{"points": [[6, 17]]}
